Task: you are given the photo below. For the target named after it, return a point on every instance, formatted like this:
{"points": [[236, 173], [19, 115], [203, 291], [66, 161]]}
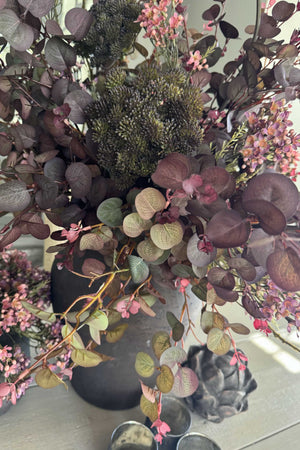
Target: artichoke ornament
{"points": [[223, 388]]}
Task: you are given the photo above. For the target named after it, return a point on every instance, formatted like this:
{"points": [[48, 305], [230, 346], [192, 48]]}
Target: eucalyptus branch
{"points": [[285, 341]]}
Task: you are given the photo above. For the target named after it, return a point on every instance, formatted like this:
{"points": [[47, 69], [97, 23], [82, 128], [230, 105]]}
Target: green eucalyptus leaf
{"points": [[218, 342], [98, 320], [148, 408], [86, 358], [109, 212], [160, 342], [176, 325], [134, 225], [144, 365], [165, 379], [148, 202], [116, 334], [43, 315], [47, 379], [75, 339], [149, 251], [165, 236], [138, 269]]}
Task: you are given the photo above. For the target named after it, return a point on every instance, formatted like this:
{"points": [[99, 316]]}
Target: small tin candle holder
{"points": [[196, 441], [132, 435]]}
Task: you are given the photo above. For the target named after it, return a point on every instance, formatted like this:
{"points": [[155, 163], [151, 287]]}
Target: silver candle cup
{"points": [[196, 441], [132, 435], [175, 413]]}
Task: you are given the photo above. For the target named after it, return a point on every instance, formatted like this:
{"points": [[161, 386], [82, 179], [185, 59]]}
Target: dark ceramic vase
{"points": [[115, 384]]}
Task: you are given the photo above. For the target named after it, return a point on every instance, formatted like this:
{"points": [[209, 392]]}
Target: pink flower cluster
{"points": [[280, 305], [12, 363], [271, 141], [159, 27], [196, 61], [19, 281]]}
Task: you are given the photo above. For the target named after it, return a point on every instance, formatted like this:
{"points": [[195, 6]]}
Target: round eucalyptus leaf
{"points": [[227, 229], [172, 171], [165, 236], [218, 342], [195, 256], [148, 202], [138, 269], [284, 269], [78, 22], [14, 196], [144, 365], [55, 169], [79, 177], [149, 251], [19, 35], [59, 54], [109, 212], [78, 100], [185, 382], [47, 379], [134, 225], [165, 379], [38, 8], [160, 342]]}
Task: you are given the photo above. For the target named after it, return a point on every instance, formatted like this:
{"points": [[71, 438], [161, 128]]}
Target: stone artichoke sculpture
{"points": [[223, 388]]}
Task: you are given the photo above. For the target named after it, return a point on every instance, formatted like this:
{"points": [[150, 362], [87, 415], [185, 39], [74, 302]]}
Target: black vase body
{"points": [[115, 384]]}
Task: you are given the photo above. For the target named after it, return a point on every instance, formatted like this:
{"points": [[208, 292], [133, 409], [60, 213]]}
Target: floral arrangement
{"points": [[24, 297], [175, 174]]}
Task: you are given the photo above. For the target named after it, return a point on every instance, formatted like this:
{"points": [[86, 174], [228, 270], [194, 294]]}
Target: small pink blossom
{"points": [[73, 233], [262, 325], [162, 429], [183, 283], [128, 306]]}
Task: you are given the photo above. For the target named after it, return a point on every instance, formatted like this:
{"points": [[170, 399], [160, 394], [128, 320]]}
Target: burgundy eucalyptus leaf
{"points": [[221, 180], [229, 31], [46, 84], [226, 294], [38, 8], [78, 22], [46, 156], [244, 268], [78, 100], [207, 211], [25, 107], [77, 148], [221, 277], [10, 237], [5, 145], [251, 307], [53, 125], [60, 90], [282, 11], [25, 134], [271, 219], [203, 44], [79, 178], [236, 88], [59, 55], [172, 171], [92, 267], [46, 196], [211, 13], [195, 256], [18, 34], [14, 196], [284, 269], [268, 27], [276, 189], [227, 229], [201, 79], [52, 27], [71, 214], [55, 169]]}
